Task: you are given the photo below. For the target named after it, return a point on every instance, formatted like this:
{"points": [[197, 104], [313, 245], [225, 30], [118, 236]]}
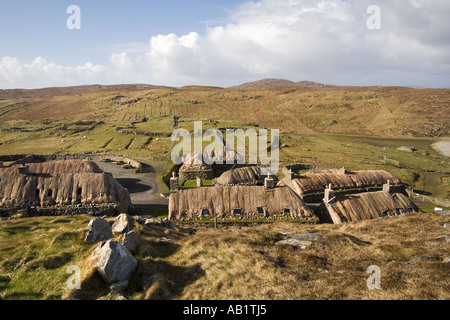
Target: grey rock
{"points": [[422, 258], [120, 297], [444, 238], [154, 222], [114, 262], [98, 230], [302, 236], [166, 240], [132, 240], [302, 244], [406, 149], [167, 223], [447, 226], [123, 223]]}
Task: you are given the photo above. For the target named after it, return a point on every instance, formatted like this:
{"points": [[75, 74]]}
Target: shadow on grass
{"points": [[160, 280], [421, 192], [23, 296]]}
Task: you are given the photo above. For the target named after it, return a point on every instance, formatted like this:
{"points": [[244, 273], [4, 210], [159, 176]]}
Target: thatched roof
{"points": [[314, 182], [56, 167], [221, 201], [196, 160], [365, 206], [240, 176], [45, 189]]}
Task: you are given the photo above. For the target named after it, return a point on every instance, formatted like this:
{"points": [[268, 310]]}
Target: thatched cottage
{"points": [[61, 183], [249, 176], [232, 202], [363, 206], [200, 165], [316, 181]]}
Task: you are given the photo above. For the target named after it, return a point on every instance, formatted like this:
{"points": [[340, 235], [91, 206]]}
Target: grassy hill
{"points": [[234, 263]]}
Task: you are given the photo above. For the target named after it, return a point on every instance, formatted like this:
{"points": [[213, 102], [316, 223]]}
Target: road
{"points": [[143, 187]]}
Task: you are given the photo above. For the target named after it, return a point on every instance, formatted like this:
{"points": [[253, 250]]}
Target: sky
{"points": [[224, 42]]}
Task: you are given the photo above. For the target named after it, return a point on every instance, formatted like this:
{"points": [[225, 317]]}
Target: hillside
{"points": [[302, 108], [271, 83]]}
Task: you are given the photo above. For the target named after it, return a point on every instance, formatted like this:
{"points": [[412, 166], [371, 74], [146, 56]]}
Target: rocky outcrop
{"points": [[123, 223], [98, 230], [114, 262], [132, 240], [301, 240]]}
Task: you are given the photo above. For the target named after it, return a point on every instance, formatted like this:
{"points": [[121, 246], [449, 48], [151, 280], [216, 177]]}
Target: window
{"points": [[261, 210], [287, 211], [385, 214], [50, 193], [398, 212], [343, 219], [205, 212], [237, 212], [38, 198]]}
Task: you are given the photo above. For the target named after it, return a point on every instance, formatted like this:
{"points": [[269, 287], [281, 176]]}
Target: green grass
{"points": [[35, 254]]}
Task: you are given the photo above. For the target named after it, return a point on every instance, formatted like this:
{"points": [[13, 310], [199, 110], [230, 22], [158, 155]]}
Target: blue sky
{"points": [[224, 42], [30, 28]]}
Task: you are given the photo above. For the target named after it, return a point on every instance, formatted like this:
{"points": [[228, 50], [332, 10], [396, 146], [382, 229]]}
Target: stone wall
{"points": [[438, 201], [108, 209], [193, 174]]}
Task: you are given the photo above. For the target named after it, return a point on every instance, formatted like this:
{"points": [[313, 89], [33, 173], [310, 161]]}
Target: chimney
{"points": [[289, 175], [343, 170], [174, 185], [329, 195], [199, 182], [388, 187], [24, 169], [269, 183]]}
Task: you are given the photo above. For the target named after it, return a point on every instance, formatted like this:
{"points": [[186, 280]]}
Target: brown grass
{"points": [[246, 264]]}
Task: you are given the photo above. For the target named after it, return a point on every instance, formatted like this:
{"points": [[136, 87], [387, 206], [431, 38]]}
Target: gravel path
{"points": [[443, 147]]}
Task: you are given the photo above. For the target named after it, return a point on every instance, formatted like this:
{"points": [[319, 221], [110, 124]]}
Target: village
{"points": [[166, 206], [241, 192]]}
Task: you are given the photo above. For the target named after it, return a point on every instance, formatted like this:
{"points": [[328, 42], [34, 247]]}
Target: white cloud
{"points": [[325, 41]]}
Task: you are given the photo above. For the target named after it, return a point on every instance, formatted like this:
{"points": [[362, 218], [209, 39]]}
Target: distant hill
{"points": [[72, 90], [265, 83]]}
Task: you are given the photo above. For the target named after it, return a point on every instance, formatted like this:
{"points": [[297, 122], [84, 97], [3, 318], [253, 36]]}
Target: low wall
{"points": [[33, 211], [193, 175], [438, 201]]}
